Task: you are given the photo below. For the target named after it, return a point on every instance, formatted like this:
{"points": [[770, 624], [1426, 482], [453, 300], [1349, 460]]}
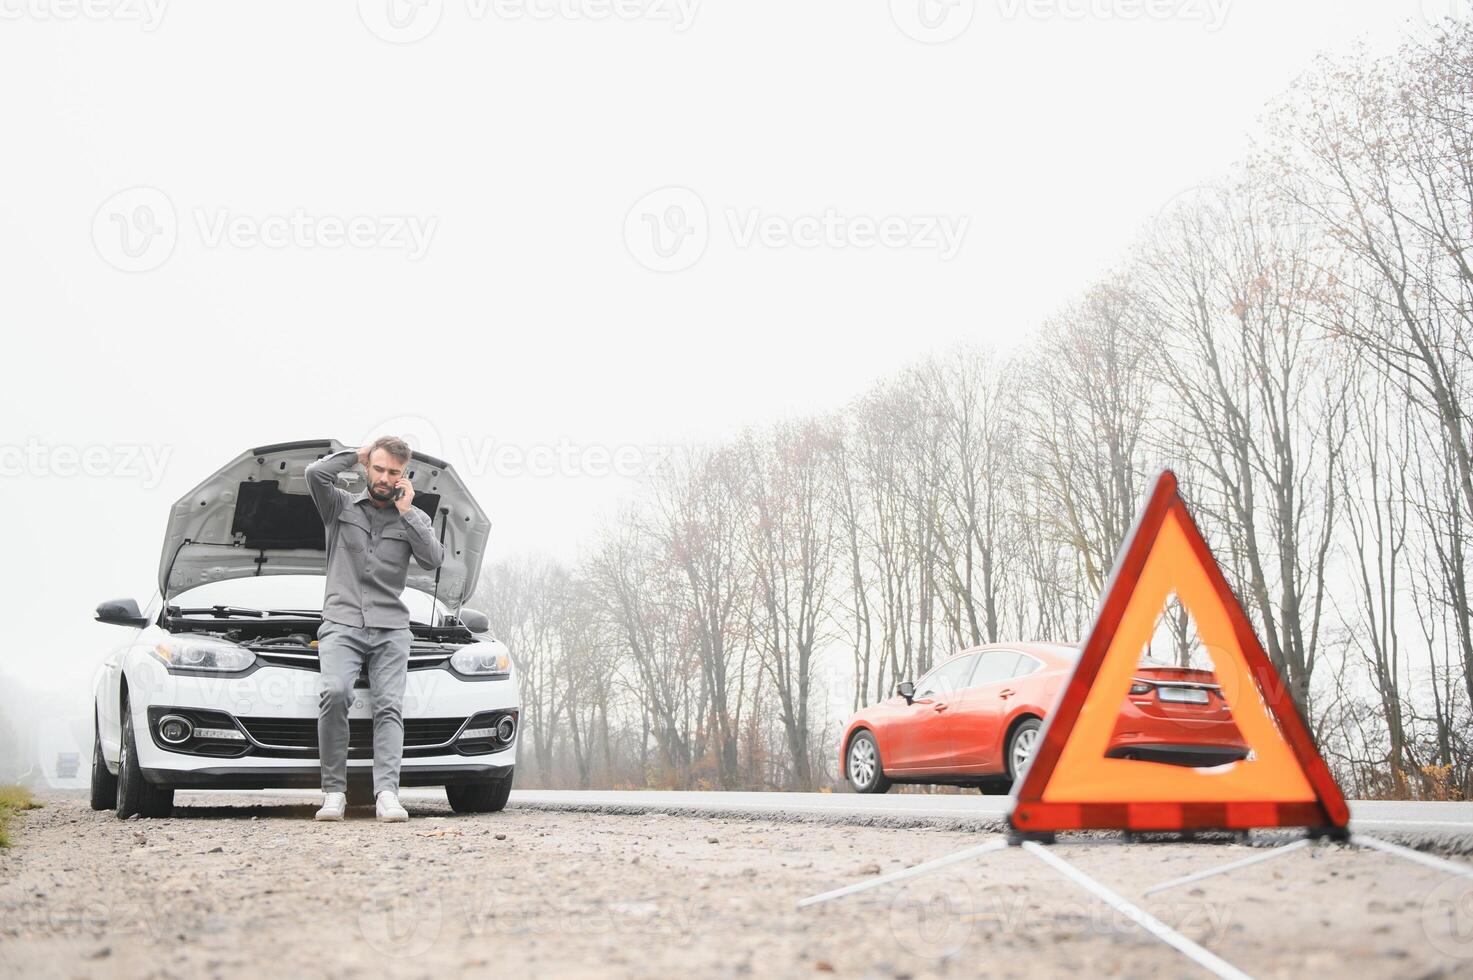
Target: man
{"points": [[370, 536]]}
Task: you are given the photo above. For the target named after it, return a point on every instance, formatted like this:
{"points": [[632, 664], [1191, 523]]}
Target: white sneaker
{"points": [[333, 805], [388, 808]]}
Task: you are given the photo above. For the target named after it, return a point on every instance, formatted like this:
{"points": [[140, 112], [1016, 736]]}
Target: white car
{"points": [[216, 685]]}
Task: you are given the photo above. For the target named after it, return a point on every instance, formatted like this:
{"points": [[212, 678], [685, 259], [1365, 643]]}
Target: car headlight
{"points": [[481, 660], [218, 655]]}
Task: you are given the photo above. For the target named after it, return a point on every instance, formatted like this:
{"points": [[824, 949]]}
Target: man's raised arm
{"points": [[428, 552], [322, 482]]}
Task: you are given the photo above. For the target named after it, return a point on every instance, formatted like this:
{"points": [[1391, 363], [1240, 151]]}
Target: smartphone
{"points": [[398, 492]]}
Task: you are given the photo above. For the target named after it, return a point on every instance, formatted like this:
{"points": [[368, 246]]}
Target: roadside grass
{"points": [[13, 799]]}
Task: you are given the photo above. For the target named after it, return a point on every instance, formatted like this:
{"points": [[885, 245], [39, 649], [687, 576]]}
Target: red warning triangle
{"points": [[1071, 785]]}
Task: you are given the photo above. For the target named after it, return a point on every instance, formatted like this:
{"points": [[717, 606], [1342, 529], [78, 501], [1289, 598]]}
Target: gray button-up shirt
{"points": [[368, 549]]}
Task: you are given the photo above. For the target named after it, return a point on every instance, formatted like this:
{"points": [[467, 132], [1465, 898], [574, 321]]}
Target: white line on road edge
{"points": [[919, 869], [1451, 867], [1197, 954], [866, 811], [1224, 868], [1464, 824]]}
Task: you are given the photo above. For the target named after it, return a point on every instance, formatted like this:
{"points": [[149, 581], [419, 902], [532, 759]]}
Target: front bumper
{"points": [[310, 777], [289, 698]]}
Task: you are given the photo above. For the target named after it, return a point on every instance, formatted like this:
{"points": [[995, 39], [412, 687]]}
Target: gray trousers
{"points": [[343, 650]]}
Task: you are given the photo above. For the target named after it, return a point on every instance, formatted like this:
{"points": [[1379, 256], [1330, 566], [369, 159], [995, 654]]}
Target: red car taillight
{"points": [[1140, 687]]}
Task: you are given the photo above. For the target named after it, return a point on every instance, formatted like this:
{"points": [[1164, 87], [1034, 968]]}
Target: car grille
{"points": [[309, 661], [298, 736]]}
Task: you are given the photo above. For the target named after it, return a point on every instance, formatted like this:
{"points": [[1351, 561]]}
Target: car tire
{"points": [[137, 795], [1022, 744], [486, 796], [104, 783], [863, 766]]}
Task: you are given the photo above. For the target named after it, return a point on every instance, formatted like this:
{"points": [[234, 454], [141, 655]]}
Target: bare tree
{"points": [[698, 521], [1229, 292], [1375, 483], [525, 600], [1089, 395], [588, 664], [636, 589], [791, 551], [969, 393]]}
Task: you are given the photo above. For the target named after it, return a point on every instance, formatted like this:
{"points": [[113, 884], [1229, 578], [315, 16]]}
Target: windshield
{"points": [[295, 593]]}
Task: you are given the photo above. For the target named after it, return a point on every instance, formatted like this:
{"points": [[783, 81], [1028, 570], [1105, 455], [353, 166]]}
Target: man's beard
{"points": [[381, 493]]}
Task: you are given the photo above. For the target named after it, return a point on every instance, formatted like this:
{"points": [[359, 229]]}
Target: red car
{"points": [[974, 720]]}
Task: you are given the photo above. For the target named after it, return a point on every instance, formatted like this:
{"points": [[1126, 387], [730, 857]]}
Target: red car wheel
{"points": [[866, 773], [1021, 746]]}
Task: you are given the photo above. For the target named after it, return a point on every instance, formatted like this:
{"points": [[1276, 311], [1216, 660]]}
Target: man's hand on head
{"points": [[363, 456], [407, 500]]}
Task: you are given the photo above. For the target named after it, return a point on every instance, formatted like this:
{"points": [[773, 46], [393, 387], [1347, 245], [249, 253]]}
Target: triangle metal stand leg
{"points": [[1232, 866], [911, 872], [1196, 953], [1416, 857], [1200, 955]]}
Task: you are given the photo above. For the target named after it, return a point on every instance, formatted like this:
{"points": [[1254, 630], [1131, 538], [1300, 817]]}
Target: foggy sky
{"points": [[495, 308]]}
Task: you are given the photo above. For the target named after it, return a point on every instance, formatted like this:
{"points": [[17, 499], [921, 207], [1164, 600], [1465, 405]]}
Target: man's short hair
{"points": [[393, 445]]}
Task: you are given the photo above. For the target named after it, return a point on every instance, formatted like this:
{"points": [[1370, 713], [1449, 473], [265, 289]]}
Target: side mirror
{"points": [[907, 690], [121, 612], [475, 620]]}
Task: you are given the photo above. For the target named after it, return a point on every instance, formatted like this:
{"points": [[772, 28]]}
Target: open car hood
{"points": [[255, 517]]}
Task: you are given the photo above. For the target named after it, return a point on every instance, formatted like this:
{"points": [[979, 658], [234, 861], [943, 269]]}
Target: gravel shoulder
{"points": [[233, 884]]}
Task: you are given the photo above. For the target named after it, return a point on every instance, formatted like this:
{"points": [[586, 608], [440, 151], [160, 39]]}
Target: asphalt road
{"points": [[1366, 815], [1441, 828], [232, 881], [1447, 825]]}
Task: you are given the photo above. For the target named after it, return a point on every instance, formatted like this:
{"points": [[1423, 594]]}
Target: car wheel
{"points": [[104, 783], [486, 796], [1021, 746], [866, 773], [137, 795]]}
